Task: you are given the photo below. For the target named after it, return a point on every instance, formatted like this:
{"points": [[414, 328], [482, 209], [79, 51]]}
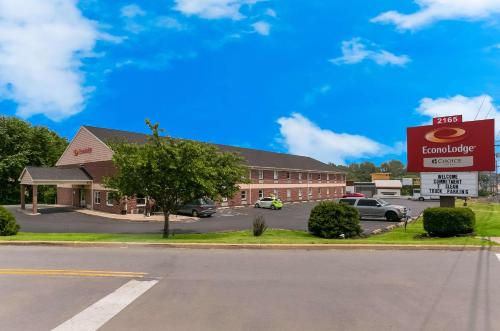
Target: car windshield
{"points": [[382, 202], [207, 201]]}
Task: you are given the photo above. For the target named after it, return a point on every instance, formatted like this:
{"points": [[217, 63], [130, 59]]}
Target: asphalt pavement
{"points": [[292, 216], [249, 289]]}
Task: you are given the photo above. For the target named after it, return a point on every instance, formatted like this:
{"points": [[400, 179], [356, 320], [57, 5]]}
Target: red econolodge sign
{"points": [[452, 145]]}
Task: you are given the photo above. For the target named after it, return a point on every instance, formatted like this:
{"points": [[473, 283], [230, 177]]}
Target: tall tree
{"points": [[20, 145], [173, 171], [395, 167]]}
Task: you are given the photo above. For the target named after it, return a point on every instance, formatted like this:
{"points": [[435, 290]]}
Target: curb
{"points": [[250, 246]]}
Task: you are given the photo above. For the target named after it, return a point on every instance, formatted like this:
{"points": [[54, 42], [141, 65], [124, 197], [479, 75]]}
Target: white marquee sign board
{"points": [[451, 184]]}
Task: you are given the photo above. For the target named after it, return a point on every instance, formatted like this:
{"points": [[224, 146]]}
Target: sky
{"points": [[338, 81]]}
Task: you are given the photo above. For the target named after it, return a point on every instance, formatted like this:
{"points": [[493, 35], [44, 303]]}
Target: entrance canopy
{"points": [[35, 176], [53, 176]]}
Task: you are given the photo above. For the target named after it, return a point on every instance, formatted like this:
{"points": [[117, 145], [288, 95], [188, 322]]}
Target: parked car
{"points": [[198, 208], [377, 208], [353, 195], [269, 202]]}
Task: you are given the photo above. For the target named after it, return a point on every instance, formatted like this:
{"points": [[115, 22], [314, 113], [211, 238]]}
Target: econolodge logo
{"points": [[446, 135]]}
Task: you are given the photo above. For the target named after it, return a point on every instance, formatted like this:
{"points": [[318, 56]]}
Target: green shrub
{"points": [[259, 225], [448, 222], [333, 220], [8, 225]]}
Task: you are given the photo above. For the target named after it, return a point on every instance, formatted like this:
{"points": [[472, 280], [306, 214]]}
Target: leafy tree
{"points": [[173, 171], [395, 167], [21, 145]]}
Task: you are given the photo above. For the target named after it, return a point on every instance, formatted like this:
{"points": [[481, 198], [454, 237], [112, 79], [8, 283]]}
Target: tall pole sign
{"points": [[448, 151]]}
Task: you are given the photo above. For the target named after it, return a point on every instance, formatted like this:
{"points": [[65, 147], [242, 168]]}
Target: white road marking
{"points": [[498, 257], [103, 310]]}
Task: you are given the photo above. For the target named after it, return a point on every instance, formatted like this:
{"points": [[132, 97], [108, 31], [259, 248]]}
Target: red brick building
{"points": [[292, 178]]}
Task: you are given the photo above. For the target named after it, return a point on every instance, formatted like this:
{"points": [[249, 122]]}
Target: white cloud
{"points": [[436, 10], [311, 96], [302, 137], [262, 28], [42, 44], [169, 23], [271, 12], [355, 51], [460, 105], [213, 9], [132, 10]]}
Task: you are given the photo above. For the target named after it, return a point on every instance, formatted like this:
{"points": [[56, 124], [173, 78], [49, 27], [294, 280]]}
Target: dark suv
{"points": [[198, 207]]}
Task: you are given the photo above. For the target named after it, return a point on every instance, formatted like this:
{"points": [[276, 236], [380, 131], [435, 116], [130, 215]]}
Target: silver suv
{"points": [[377, 208]]}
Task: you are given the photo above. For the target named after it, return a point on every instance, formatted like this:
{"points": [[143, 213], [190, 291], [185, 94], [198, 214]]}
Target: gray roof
{"points": [[48, 174], [253, 157]]}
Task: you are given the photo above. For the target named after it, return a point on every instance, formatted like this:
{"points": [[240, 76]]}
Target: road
{"points": [[292, 216], [250, 289]]}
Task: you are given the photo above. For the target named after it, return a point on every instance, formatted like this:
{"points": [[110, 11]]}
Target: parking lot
{"points": [[292, 216]]}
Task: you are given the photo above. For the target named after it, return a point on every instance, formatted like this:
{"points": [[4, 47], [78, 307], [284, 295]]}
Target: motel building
{"points": [[80, 170]]}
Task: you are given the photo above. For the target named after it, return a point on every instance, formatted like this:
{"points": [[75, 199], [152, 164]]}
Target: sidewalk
{"points": [[138, 217]]}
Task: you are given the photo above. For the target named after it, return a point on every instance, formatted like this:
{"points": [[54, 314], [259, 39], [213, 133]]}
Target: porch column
{"points": [[35, 199], [23, 196]]}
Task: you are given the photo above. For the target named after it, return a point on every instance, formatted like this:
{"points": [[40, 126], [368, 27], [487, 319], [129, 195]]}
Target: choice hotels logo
{"points": [[446, 135]]}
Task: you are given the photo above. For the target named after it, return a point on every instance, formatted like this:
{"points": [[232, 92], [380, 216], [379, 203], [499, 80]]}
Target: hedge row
{"points": [[448, 222]]}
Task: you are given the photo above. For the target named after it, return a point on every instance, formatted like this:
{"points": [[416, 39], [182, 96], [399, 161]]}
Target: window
{"points": [[109, 199], [275, 175], [328, 191], [319, 176], [310, 191], [288, 175], [261, 194], [300, 176], [348, 201], [300, 193], [224, 199], [327, 176], [261, 174], [288, 193], [367, 203], [319, 191], [243, 195], [309, 176], [97, 197]]}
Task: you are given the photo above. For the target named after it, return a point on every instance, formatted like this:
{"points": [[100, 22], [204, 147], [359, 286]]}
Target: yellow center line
{"points": [[70, 272]]}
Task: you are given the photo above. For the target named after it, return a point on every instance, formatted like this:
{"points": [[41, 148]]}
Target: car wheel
{"points": [[391, 216], [257, 205], [421, 199], [194, 213], [273, 207]]}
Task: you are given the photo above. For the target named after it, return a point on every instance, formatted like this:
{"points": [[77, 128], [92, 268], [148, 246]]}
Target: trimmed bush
{"points": [[333, 220], [8, 224], [448, 222], [259, 225]]}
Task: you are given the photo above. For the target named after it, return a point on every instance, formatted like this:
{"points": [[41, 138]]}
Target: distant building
{"points": [[380, 176], [388, 188]]}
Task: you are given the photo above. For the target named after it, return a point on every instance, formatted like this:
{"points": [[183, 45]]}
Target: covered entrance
{"points": [[76, 180]]}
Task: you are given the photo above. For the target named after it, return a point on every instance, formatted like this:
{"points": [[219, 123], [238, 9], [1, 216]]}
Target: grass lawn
{"points": [[487, 221]]}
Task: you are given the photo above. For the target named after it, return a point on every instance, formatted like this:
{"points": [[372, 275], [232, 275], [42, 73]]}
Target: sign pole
{"points": [[445, 201]]}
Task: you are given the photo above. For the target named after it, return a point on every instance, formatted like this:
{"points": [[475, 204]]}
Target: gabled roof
{"points": [[254, 157], [42, 175]]}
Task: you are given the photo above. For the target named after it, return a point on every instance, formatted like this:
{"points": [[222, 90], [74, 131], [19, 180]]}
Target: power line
{"points": [[479, 110], [489, 111]]}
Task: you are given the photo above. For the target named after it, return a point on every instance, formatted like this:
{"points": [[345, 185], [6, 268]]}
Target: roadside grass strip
{"points": [[74, 273], [96, 315]]}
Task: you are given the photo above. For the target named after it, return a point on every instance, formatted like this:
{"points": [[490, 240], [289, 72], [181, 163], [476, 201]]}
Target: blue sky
{"points": [[338, 81]]}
